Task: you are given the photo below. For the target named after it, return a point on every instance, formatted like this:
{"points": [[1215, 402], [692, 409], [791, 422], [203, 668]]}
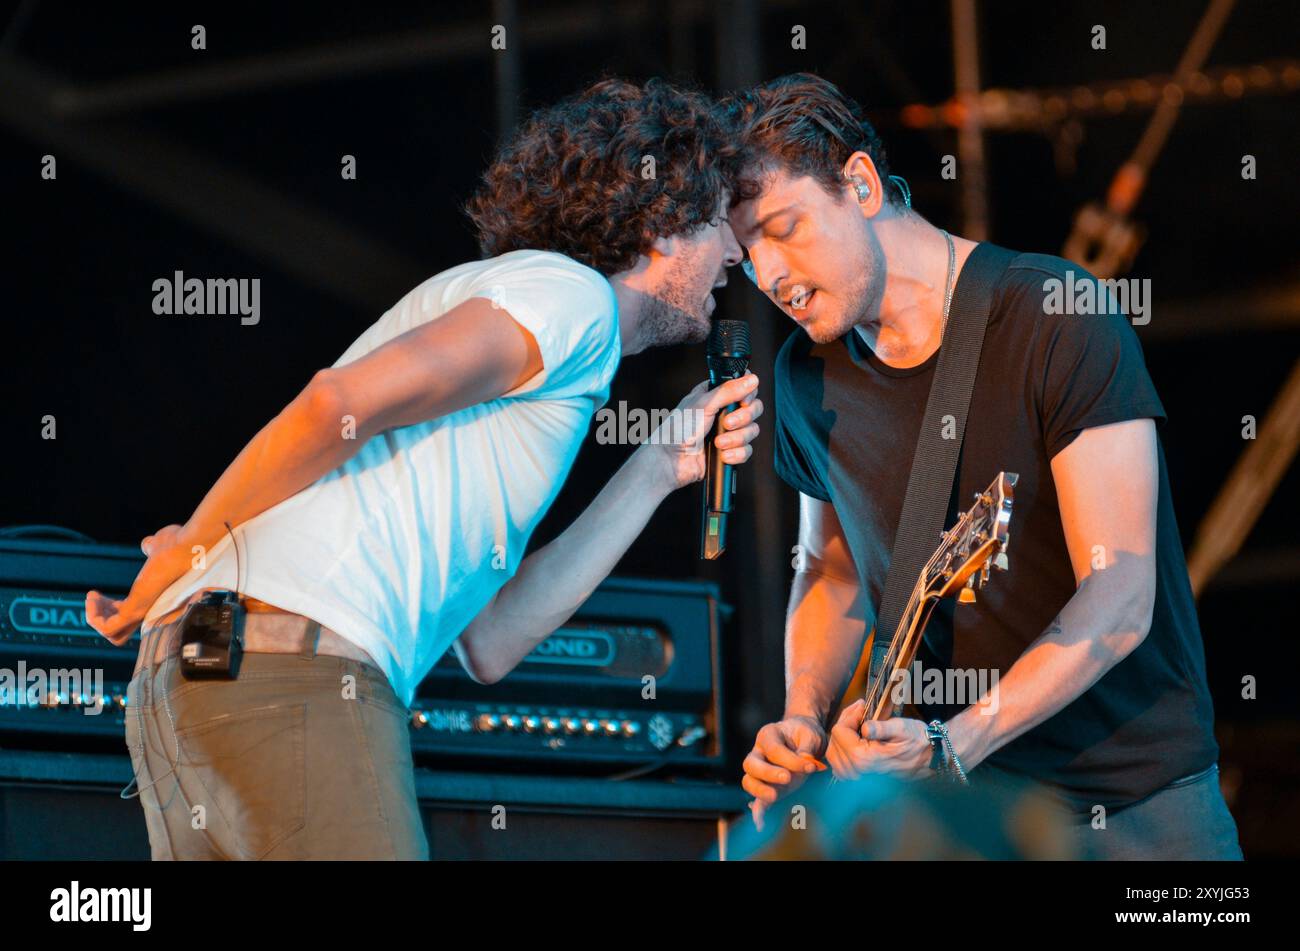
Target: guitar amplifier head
{"points": [[61, 683], [632, 679]]}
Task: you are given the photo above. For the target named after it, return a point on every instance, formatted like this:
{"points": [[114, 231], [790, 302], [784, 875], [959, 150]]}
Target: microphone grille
{"points": [[729, 338]]}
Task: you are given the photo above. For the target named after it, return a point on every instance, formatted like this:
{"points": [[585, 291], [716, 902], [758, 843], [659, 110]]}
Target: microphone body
{"points": [[727, 354]]}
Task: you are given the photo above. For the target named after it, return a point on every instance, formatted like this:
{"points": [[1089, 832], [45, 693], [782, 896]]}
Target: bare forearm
{"points": [[302, 443], [824, 637], [1105, 620], [555, 580]]}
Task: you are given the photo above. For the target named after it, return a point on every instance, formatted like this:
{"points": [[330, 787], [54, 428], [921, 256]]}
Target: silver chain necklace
{"points": [[947, 294]]}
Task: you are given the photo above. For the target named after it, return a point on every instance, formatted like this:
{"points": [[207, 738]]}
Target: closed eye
{"points": [[789, 230]]}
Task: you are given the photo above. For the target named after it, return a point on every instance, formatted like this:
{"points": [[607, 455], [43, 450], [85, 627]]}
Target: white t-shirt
{"points": [[399, 548]]}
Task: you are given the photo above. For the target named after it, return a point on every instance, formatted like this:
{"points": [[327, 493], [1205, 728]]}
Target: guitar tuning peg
{"points": [[966, 596]]}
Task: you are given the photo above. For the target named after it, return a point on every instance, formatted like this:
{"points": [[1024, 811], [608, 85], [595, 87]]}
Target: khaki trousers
{"points": [[301, 757]]}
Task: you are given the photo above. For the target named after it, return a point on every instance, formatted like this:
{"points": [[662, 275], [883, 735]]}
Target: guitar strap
{"points": [[929, 486]]}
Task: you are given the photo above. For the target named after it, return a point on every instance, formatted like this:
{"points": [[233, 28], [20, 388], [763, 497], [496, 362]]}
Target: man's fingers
{"points": [[743, 416], [760, 791], [847, 743], [115, 620], [738, 456], [159, 539], [893, 729], [98, 610], [737, 437], [846, 735], [851, 716], [733, 391], [840, 763], [758, 767], [774, 749]]}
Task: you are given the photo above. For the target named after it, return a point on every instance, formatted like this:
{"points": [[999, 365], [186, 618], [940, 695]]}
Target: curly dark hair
{"points": [[805, 125], [575, 178]]}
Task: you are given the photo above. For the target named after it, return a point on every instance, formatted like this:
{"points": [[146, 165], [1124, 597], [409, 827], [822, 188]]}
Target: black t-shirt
{"points": [[846, 430]]}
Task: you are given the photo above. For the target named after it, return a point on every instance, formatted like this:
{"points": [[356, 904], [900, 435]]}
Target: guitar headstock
{"points": [[977, 543]]}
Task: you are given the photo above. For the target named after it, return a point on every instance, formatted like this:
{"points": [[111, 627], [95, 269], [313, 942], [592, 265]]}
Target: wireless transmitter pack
{"points": [[212, 632], [212, 637]]}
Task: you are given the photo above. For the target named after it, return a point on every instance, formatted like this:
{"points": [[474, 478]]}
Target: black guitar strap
{"points": [[929, 486]]}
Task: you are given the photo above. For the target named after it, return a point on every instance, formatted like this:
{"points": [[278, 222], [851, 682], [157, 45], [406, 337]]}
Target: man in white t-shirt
{"points": [[382, 516]]}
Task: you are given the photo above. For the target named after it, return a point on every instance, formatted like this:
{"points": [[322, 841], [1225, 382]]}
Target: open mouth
{"points": [[795, 305]]}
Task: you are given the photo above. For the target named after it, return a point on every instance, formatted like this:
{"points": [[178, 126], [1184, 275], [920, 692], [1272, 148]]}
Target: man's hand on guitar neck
{"points": [[897, 747]]}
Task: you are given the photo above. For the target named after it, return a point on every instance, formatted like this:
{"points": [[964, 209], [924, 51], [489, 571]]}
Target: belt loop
{"points": [[311, 639]]}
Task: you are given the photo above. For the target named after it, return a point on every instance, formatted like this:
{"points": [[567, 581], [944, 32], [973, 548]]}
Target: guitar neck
{"points": [[958, 566], [897, 655]]}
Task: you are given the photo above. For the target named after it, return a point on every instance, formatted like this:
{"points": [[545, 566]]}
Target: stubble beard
{"points": [[863, 294], [862, 306], [673, 315]]}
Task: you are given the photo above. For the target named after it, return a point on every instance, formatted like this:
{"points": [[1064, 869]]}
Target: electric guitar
{"points": [[960, 565]]}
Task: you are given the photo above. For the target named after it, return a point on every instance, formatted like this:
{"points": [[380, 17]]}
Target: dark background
{"points": [[226, 163]]}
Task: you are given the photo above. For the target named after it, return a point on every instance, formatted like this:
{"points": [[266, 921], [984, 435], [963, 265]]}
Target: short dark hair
{"points": [[805, 125], [573, 180]]}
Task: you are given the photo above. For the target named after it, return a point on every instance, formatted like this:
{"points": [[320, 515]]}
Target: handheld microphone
{"points": [[727, 354]]}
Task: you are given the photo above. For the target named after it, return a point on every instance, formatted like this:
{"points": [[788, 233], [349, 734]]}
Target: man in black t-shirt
{"points": [[1090, 640]]}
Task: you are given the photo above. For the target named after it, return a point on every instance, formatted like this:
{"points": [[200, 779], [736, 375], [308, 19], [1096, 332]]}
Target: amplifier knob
{"points": [[572, 725], [531, 724], [590, 727], [550, 725], [486, 722], [510, 722], [631, 728], [610, 727], [661, 732]]}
